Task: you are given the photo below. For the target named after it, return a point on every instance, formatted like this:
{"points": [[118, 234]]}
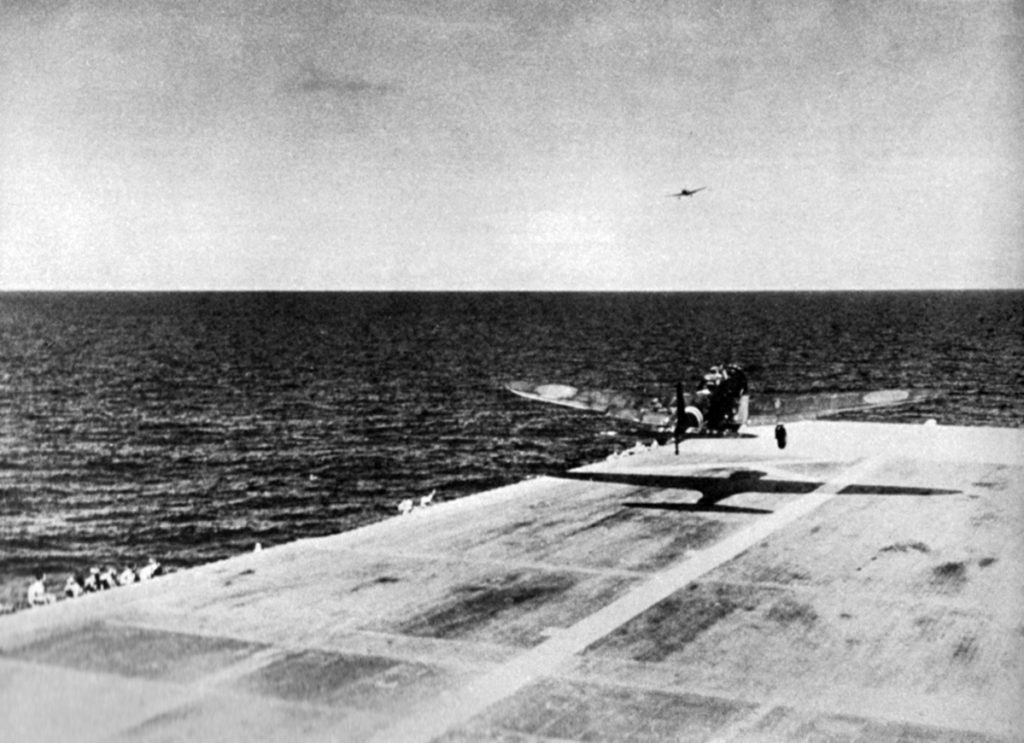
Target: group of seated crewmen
{"points": [[406, 506], [96, 580]]}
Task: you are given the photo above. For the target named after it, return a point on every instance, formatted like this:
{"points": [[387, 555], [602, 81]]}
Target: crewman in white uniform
{"points": [[36, 594]]}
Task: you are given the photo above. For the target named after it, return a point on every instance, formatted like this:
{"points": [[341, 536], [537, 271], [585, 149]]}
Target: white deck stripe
{"points": [[425, 723]]}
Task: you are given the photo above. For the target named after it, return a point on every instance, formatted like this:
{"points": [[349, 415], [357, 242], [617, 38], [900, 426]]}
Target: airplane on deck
{"points": [[720, 406]]}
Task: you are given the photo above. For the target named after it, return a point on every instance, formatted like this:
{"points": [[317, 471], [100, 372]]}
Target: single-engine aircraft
{"points": [[720, 406], [687, 192]]}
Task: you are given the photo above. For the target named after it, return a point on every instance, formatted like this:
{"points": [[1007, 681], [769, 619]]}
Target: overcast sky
{"points": [[512, 144]]}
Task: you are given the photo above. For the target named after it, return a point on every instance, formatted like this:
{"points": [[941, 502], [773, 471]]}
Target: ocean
{"points": [[189, 426]]}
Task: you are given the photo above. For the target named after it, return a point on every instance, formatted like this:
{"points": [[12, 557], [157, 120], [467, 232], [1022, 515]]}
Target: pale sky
{"points": [[428, 145]]}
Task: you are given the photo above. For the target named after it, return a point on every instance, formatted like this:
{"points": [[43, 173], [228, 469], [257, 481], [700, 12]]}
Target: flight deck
{"points": [[866, 583]]}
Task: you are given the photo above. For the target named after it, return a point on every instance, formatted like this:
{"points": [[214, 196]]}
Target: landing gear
{"points": [[780, 436]]}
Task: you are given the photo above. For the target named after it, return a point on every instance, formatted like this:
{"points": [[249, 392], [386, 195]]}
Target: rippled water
{"points": [[189, 426]]}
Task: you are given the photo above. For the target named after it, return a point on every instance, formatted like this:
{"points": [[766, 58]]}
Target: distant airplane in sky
{"points": [[686, 192]]}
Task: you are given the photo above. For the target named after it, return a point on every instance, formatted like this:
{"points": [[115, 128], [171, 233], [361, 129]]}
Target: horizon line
{"points": [[121, 290]]}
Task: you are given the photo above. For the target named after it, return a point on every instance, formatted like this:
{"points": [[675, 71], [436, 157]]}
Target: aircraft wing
{"points": [[784, 408], [625, 406]]}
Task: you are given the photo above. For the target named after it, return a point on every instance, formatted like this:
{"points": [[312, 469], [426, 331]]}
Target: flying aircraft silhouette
{"points": [[687, 192]]}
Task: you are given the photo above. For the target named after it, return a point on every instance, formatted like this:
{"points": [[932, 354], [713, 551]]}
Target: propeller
{"points": [[680, 431], [686, 417]]}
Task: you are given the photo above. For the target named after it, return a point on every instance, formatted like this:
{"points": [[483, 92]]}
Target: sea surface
{"points": [[189, 426]]}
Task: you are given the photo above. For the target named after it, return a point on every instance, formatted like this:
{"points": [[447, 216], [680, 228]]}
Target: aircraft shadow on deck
{"points": [[717, 488]]}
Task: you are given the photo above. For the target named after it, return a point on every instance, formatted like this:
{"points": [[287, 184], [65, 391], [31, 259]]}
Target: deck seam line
{"points": [[568, 568]]}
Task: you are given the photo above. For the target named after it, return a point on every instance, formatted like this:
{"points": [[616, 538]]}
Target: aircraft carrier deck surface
{"points": [[867, 585]]}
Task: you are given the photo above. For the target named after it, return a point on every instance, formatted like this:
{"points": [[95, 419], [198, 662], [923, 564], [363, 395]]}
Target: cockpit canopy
{"points": [[718, 374]]}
